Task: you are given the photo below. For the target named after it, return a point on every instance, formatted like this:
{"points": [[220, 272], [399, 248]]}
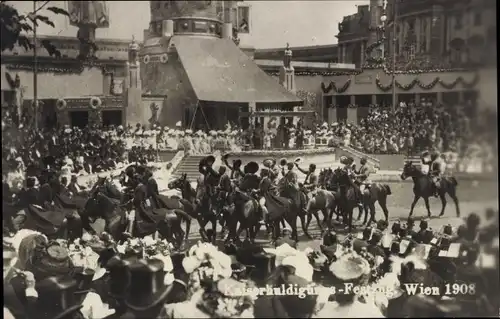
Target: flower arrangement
{"points": [[210, 271], [150, 248]]}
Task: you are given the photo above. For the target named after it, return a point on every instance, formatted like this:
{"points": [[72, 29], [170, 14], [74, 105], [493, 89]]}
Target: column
{"points": [[374, 99], [362, 58], [417, 33], [352, 99], [439, 97], [332, 114], [428, 33], [344, 53], [417, 98]]}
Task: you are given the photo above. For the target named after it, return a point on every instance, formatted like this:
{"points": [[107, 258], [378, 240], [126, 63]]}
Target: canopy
{"points": [[219, 71]]}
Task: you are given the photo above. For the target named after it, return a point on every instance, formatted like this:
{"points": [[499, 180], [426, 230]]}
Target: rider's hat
{"points": [[237, 162], [210, 158], [251, 168], [283, 161], [268, 163]]}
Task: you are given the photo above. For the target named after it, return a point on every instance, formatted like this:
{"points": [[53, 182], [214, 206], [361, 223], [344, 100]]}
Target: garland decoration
{"points": [[95, 102], [164, 58], [334, 87], [146, 59], [429, 86], [460, 80], [382, 87], [61, 104], [73, 67]]}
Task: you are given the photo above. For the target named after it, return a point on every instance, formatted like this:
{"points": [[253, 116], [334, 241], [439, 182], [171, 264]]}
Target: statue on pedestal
{"points": [[88, 16], [287, 60]]}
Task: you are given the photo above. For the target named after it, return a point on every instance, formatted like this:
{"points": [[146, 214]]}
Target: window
{"points": [[477, 19], [243, 19], [458, 22]]}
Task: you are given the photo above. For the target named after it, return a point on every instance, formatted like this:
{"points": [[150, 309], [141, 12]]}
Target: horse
{"points": [[197, 208], [101, 205], [324, 201], [423, 187], [347, 195], [374, 192], [166, 228], [298, 202]]}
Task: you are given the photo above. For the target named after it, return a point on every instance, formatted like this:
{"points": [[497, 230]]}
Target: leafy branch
{"points": [[16, 28]]}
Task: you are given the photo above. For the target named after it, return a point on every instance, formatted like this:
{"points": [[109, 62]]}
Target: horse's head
{"points": [[179, 183], [409, 170]]}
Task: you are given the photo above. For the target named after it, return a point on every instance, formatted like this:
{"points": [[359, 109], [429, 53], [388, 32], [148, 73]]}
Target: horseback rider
{"points": [[210, 176], [251, 181], [311, 180], [437, 168], [291, 178], [224, 183], [236, 171], [347, 162], [266, 184], [363, 173]]}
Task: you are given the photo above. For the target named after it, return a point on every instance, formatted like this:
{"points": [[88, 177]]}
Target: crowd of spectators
{"points": [[164, 283], [73, 150], [411, 129]]}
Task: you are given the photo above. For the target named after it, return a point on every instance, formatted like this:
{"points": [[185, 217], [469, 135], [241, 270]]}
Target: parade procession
{"points": [[190, 173]]}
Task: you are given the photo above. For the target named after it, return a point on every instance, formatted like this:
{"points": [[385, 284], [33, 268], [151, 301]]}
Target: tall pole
{"points": [[394, 30], [35, 71]]}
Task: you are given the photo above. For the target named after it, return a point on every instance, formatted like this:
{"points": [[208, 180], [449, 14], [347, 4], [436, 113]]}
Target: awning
{"points": [[219, 71]]}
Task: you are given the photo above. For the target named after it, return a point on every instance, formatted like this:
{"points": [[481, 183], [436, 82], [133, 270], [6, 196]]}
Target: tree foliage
{"points": [[17, 28]]}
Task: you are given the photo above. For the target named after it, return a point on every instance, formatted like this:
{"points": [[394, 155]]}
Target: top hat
{"points": [[56, 298], [210, 158], [237, 162], [147, 287], [119, 276], [330, 238]]}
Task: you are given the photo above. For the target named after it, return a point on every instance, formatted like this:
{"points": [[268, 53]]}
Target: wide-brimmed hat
{"points": [[349, 267], [251, 168], [49, 260], [268, 162], [147, 284]]}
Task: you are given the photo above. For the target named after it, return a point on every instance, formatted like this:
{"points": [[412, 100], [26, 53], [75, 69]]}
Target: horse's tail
{"points": [[387, 188]]}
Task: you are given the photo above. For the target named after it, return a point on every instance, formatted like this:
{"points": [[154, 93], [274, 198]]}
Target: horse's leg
{"points": [[382, 201], [415, 200], [293, 224], [453, 194], [303, 223], [371, 207], [426, 201], [316, 216], [442, 196], [214, 226], [366, 208]]}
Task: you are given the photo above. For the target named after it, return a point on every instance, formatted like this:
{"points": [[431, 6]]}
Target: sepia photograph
{"points": [[250, 159]]}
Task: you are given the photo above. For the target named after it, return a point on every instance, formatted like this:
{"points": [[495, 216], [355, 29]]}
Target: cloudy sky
{"points": [[274, 23]]}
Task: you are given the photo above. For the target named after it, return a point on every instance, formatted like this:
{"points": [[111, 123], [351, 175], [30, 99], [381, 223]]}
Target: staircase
{"points": [[188, 165]]}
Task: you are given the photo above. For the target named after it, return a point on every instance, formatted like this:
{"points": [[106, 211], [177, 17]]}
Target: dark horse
{"points": [[371, 194], [197, 208], [423, 187], [347, 195], [102, 205]]}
